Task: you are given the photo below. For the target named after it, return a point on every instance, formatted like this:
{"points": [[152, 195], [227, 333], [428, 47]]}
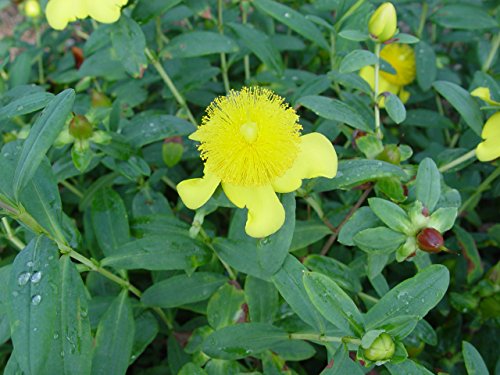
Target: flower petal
{"points": [[60, 12], [105, 11], [490, 148], [368, 74], [484, 93], [492, 128], [196, 192], [266, 214], [316, 158]]}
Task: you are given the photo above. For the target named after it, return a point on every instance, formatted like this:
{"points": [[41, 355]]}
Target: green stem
{"points": [[159, 33], [41, 74], [495, 43], [423, 17], [457, 161], [485, 185], [223, 61], [323, 338], [347, 14], [375, 92], [246, 58], [368, 297], [206, 238], [169, 182], [11, 236], [71, 188], [170, 84]]}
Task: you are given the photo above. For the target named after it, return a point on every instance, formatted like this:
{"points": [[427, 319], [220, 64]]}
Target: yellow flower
{"points": [[483, 93], [383, 23], [61, 12], [489, 149], [402, 59], [251, 144], [32, 8]]}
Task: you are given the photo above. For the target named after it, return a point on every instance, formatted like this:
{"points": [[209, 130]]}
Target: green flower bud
{"points": [[32, 9], [100, 100], [80, 127], [383, 23], [382, 348]]}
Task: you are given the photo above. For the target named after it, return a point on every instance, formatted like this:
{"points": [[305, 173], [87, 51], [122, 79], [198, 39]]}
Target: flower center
{"points": [[249, 137], [249, 131]]}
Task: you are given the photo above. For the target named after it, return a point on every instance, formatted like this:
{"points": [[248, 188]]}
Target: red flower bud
{"points": [[430, 240]]}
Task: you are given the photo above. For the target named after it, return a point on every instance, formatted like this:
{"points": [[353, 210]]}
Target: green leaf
{"points": [[288, 281], [260, 44], [43, 133], [25, 104], [443, 219], [379, 240], [333, 303], [114, 338], [145, 10], [149, 202], [356, 172], [262, 298], [427, 119], [129, 43], [191, 369], [463, 102], [401, 326], [425, 59], [168, 251], [357, 59], [470, 253], [354, 35], [474, 363], [199, 43], [391, 214], [463, 16], [340, 273], [225, 307], [260, 258], [370, 145], [403, 38], [428, 184], [395, 108], [227, 343], [414, 296], [183, 289], [333, 109], [146, 330], [363, 218], [34, 297], [342, 364], [307, 233], [293, 19], [110, 221], [407, 367]]}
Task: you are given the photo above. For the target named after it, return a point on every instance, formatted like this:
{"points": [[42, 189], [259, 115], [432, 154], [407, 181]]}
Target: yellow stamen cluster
{"points": [[249, 137]]}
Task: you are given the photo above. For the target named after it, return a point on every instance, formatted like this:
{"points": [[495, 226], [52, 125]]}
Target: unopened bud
{"points": [[430, 240], [383, 23], [80, 127], [100, 100], [172, 151], [382, 348], [32, 8]]}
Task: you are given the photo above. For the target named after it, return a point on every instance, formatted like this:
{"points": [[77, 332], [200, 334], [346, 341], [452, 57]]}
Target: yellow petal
{"points": [[490, 148], [316, 158], [404, 95], [60, 12], [197, 191], [483, 93], [368, 74], [492, 128], [105, 11], [266, 214]]}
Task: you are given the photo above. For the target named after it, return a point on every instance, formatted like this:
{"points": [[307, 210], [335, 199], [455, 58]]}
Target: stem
{"points": [[317, 208], [170, 84], [323, 338], [71, 188], [223, 61], [485, 185], [495, 43], [169, 183], [457, 161], [159, 33], [336, 232], [206, 238], [11, 236], [368, 297], [41, 74], [347, 14], [423, 16], [246, 58], [375, 92]]}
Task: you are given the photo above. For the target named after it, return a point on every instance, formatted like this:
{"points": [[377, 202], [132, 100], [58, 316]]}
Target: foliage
{"points": [[103, 269]]}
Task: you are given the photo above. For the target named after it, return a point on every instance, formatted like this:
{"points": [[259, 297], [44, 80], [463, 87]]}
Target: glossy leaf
{"points": [[428, 184]]}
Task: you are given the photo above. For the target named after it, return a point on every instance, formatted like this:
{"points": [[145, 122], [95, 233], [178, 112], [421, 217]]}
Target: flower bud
{"points": [[382, 348], [430, 240], [80, 127], [32, 8], [383, 23], [98, 99]]}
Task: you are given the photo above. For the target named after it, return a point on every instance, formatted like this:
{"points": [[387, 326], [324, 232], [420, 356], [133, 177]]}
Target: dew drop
{"points": [[287, 15], [15, 294], [35, 329], [56, 336], [30, 264], [36, 277], [36, 299], [23, 278]]}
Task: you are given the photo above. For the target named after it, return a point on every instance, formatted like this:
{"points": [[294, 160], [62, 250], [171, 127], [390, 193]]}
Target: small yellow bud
{"points": [[382, 349], [383, 23], [32, 8]]}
